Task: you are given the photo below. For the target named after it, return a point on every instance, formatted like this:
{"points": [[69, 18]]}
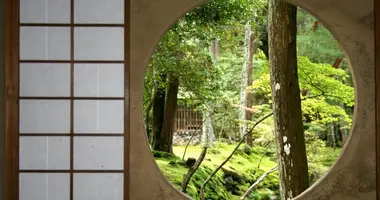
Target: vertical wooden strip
{"points": [[71, 99], [191, 118], [377, 88], [186, 117], [2, 99], [182, 122], [127, 30], [176, 120], [12, 95], [180, 119], [196, 117]]}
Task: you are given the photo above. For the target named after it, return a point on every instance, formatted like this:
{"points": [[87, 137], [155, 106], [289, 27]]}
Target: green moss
{"points": [[230, 182], [236, 176], [160, 154]]}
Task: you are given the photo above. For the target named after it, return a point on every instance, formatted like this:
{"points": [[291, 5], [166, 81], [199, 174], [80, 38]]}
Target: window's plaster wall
{"points": [[350, 21]]}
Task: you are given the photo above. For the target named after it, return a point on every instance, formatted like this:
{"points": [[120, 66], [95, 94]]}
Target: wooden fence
{"points": [[187, 119]]}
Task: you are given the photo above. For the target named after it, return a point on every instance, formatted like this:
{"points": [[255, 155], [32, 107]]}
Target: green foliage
{"points": [[319, 45], [323, 85], [318, 111], [326, 80], [184, 51]]}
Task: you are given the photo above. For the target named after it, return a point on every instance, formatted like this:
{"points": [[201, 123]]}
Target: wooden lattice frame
{"points": [[12, 98]]}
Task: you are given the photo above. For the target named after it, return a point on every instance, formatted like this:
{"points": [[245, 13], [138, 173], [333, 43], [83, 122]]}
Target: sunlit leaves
{"points": [[323, 85]]}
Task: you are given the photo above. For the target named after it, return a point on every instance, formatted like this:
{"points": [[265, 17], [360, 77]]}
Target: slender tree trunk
{"points": [[315, 25], [215, 49], [230, 128], [147, 121], [291, 151], [244, 81], [249, 95], [169, 115], [333, 143], [208, 135], [158, 114], [344, 136], [337, 62]]}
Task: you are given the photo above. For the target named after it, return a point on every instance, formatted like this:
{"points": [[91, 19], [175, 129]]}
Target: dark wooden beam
{"points": [[11, 104]]}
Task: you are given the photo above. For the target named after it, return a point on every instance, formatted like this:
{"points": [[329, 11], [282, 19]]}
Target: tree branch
{"points": [[252, 110], [184, 153], [193, 169], [262, 156], [237, 147], [245, 195], [230, 156]]}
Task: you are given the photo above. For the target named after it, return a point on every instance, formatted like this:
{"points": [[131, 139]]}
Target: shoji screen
{"points": [[72, 100]]}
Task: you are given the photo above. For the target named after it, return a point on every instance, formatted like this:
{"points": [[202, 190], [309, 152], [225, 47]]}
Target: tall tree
{"points": [[164, 110], [158, 113], [169, 114], [208, 136], [244, 80], [249, 95], [291, 151]]}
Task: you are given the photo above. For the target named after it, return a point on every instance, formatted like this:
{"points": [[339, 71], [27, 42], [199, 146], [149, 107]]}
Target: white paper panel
{"points": [[99, 153], [99, 43], [99, 11], [44, 153], [39, 79], [44, 186], [98, 186], [44, 116], [45, 11], [99, 80], [103, 116], [44, 43]]}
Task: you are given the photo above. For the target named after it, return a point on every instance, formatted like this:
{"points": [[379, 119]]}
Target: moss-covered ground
{"points": [[235, 177]]}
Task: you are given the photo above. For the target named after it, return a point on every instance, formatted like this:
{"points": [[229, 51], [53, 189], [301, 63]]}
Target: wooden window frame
{"points": [[12, 133], [377, 92]]}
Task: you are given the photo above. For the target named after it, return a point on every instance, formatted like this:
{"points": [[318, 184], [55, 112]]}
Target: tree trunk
{"points": [[208, 135], [337, 62], [291, 151], [344, 136], [249, 95], [169, 115], [244, 81], [147, 121], [315, 25], [158, 114], [333, 143]]}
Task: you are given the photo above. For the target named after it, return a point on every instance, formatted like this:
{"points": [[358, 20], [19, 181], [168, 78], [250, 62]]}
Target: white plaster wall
{"points": [[350, 21]]}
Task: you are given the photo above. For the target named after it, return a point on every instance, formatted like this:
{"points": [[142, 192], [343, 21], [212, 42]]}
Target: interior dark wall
{"points": [[2, 97]]}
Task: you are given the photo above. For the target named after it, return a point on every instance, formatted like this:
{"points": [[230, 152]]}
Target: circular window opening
{"points": [[208, 103]]}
